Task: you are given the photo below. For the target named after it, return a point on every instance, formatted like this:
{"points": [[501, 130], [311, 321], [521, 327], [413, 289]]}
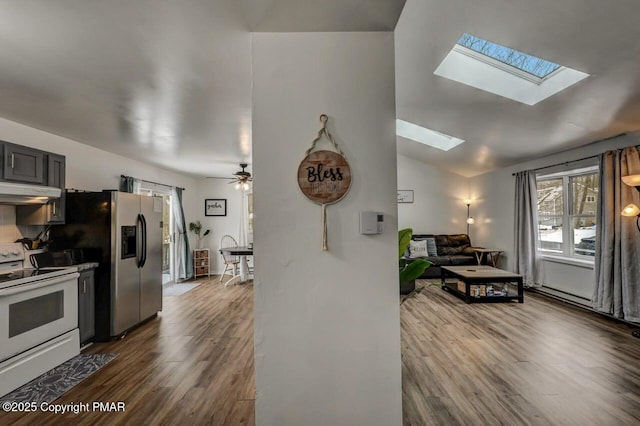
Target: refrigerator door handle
{"points": [[143, 260], [139, 242]]}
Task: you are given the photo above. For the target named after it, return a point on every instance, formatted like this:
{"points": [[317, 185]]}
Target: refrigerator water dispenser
{"points": [[128, 242]]}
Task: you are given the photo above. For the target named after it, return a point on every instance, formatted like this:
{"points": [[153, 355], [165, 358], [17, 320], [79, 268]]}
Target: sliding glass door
{"points": [[168, 250], [168, 228]]}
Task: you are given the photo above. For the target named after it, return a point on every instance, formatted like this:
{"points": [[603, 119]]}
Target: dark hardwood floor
{"points": [[193, 364], [537, 363]]}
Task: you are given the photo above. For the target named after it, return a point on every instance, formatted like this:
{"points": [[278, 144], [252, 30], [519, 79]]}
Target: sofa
{"points": [[441, 250]]}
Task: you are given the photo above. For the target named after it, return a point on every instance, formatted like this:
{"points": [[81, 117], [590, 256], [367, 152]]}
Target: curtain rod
{"points": [[155, 183], [562, 164]]}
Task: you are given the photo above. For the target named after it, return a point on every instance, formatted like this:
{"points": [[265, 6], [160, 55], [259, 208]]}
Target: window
{"points": [[505, 71], [566, 212], [426, 136], [522, 61]]}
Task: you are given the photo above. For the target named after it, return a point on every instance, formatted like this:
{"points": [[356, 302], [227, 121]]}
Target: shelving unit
{"points": [[201, 263]]}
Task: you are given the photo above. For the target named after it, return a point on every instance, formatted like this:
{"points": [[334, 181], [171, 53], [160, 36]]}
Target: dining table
{"points": [[243, 273]]}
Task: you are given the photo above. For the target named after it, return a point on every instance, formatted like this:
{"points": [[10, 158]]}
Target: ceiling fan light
{"points": [[243, 178]]}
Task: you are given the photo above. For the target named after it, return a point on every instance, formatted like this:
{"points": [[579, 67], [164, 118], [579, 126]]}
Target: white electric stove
{"points": [[38, 318]]}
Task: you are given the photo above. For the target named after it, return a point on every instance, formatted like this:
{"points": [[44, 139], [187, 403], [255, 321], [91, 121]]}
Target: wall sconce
{"points": [[632, 210], [632, 180], [470, 220]]}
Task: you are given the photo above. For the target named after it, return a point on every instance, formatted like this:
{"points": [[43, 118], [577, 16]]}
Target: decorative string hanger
{"points": [[324, 176], [324, 119]]}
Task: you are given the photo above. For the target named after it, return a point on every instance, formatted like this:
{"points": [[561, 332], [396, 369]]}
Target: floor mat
{"points": [[178, 289], [57, 381]]}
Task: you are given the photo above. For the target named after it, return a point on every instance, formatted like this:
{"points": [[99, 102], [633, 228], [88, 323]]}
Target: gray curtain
{"points": [[185, 260], [617, 262], [126, 184], [526, 259]]}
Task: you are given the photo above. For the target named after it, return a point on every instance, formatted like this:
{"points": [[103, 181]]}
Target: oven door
{"points": [[32, 313]]}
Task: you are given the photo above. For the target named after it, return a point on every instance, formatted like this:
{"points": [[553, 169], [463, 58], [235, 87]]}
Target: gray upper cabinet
{"points": [[23, 164], [28, 165]]}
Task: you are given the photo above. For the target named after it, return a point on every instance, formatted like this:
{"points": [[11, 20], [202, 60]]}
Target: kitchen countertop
{"points": [[86, 266]]}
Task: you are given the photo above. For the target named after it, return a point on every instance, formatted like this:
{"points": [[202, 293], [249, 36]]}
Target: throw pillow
{"points": [[418, 248], [431, 247]]}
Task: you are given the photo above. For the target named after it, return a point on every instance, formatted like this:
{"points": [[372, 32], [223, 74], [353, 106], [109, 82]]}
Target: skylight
{"points": [[426, 136], [504, 71], [527, 63]]}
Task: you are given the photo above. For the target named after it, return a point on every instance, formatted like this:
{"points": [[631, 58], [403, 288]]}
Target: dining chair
{"points": [[228, 241]]}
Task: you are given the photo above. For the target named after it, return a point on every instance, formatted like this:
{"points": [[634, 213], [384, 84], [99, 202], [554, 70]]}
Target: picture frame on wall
{"points": [[405, 195], [215, 207]]}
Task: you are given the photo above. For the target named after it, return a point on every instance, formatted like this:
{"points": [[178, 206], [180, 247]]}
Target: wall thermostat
{"points": [[371, 223]]}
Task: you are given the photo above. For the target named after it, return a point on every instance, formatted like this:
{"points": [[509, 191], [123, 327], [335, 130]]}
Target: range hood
{"points": [[20, 193]]}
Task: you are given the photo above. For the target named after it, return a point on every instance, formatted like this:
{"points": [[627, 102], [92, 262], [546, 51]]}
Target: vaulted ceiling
{"points": [[600, 39], [169, 82]]}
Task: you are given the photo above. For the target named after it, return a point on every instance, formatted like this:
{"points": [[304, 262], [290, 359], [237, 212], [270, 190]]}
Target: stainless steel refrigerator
{"points": [[123, 233]]}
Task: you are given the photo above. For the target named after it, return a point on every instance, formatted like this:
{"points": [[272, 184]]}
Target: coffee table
{"points": [[480, 278]]}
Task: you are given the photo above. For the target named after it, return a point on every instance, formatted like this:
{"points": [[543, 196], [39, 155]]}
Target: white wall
{"points": [[88, 168], [219, 225], [438, 206], [327, 324], [495, 198]]}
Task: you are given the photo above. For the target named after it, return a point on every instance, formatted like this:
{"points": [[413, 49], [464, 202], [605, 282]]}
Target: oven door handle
{"points": [[39, 284]]}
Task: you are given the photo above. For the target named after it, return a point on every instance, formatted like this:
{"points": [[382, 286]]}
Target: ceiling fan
{"points": [[242, 178]]}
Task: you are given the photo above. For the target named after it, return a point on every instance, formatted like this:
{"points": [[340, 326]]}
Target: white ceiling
{"points": [[169, 82], [599, 38]]}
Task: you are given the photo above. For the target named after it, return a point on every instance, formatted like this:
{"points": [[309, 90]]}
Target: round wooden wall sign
{"points": [[324, 177]]}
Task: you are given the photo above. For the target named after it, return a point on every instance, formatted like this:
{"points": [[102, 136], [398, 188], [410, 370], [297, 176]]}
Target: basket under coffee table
{"points": [[470, 281]]}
